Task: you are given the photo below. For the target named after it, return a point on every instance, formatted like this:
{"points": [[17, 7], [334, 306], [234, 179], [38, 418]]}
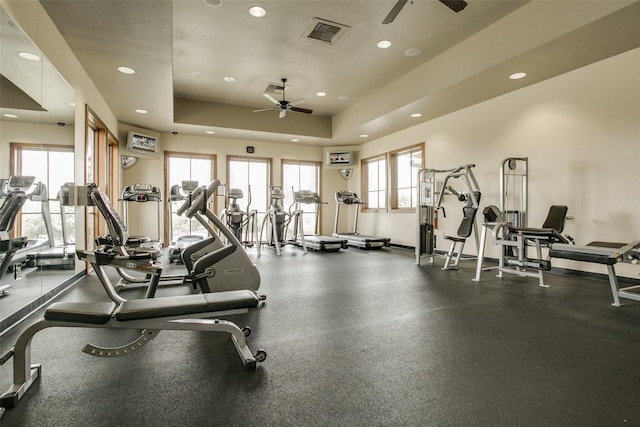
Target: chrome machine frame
{"points": [[430, 198], [516, 168]]}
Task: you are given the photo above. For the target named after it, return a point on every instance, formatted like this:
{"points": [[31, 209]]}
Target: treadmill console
{"points": [[348, 198], [20, 183]]}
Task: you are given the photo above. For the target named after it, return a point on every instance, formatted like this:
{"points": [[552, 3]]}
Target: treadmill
{"points": [[13, 200], [354, 239], [315, 241], [48, 254]]}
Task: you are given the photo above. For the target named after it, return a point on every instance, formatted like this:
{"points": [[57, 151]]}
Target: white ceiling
{"points": [[465, 58]]}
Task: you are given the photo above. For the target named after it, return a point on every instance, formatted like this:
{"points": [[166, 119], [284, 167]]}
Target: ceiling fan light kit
{"points": [[283, 105]]}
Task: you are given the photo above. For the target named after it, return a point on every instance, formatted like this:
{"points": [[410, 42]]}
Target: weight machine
{"points": [[508, 225], [431, 194]]}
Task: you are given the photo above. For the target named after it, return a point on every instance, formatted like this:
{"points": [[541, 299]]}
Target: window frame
{"points": [[364, 182], [318, 166], [269, 163], [167, 185], [393, 176], [15, 168]]}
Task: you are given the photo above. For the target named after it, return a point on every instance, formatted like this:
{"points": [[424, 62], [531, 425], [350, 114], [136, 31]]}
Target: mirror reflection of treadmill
{"points": [[354, 238], [316, 241], [46, 253]]}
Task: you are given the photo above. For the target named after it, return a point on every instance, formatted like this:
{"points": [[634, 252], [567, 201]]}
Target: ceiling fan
{"points": [[455, 5], [284, 105]]}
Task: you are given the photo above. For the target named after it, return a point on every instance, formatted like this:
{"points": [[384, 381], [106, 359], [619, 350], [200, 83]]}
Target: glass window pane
{"points": [[301, 176], [201, 170], [404, 198]]}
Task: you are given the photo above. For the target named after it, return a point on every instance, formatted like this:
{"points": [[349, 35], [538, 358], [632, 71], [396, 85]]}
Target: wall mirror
{"points": [[37, 113]]}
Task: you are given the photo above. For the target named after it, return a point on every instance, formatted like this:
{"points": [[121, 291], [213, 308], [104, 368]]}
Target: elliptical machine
{"points": [[276, 220], [244, 225], [226, 268]]}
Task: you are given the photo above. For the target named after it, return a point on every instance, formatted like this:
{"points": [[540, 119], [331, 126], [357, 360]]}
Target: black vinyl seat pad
{"points": [[586, 256], [99, 313]]}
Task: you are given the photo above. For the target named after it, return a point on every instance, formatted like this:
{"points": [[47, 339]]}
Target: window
{"points": [[405, 164], [50, 165], [186, 167], [374, 183], [300, 175], [253, 177]]}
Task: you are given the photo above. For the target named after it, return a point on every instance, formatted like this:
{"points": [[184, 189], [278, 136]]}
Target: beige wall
{"points": [[150, 169], [581, 133]]}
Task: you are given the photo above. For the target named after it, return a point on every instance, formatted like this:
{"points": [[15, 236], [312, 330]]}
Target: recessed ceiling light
{"points": [[10, 116], [213, 3], [412, 51], [364, 135], [198, 74], [343, 98], [517, 76], [229, 79], [257, 11], [126, 70], [416, 115], [321, 93], [384, 44], [71, 104], [29, 56], [141, 111], [295, 140], [210, 132]]}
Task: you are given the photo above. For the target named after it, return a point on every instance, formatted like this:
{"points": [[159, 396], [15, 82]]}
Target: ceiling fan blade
{"points": [[264, 109], [271, 98], [301, 110], [297, 102], [283, 114], [394, 11], [455, 5]]}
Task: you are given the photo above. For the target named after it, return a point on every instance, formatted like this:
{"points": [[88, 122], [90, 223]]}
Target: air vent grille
{"points": [[325, 31]]}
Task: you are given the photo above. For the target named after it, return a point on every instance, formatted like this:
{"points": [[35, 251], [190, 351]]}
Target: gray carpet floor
{"points": [[358, 338]]}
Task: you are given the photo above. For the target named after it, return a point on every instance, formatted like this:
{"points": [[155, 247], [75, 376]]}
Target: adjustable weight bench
{"points": [[150, 315], [606, 253]]}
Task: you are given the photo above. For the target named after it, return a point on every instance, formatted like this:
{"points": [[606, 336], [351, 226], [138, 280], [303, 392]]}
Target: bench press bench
{"points": [[606, 253]]}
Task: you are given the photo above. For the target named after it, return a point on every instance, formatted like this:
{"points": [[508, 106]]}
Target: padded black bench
{"points": [[605, 253], [188, 312], [101, 312]]}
